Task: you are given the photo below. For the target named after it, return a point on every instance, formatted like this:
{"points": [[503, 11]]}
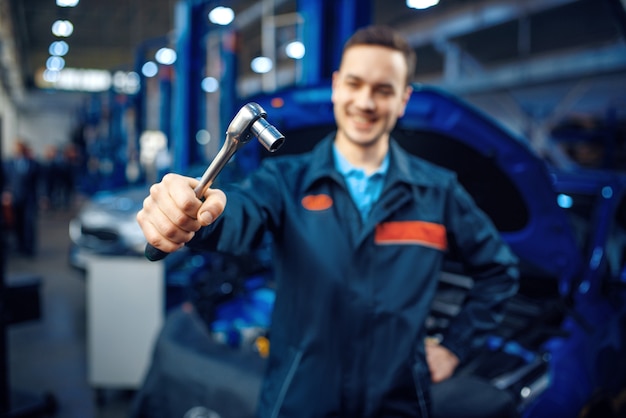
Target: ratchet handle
{"points": [[249, 122], [152, 253]]}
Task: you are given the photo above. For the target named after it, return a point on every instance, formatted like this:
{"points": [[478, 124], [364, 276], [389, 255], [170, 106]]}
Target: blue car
{"points": [[561, 348]]}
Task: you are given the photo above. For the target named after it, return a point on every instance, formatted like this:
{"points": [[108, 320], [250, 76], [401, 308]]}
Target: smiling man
{"points": [[360, 229], [370, 93]]}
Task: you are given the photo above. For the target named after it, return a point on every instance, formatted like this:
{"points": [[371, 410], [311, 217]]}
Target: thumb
{"points": [[212, 207]]}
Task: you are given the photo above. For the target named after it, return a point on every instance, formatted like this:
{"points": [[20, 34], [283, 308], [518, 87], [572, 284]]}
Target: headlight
{"points": [[75, 230]]}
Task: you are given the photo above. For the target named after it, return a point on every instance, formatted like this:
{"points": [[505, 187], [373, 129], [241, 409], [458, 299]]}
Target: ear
{"points": [[406, 95], [335, 79]]}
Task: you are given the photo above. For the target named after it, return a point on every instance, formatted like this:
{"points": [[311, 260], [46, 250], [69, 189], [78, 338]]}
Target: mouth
{"points": [[362, 121]]}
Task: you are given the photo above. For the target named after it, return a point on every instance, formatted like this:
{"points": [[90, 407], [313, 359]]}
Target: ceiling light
{"points": [[67, 3], [133, 83], [222, 15], [565, 201], [55, 63], [79, 79], [210, 85], [295, 50], [150, 69], [421, 4], [127, 83], [75, 79], [261, 65], [62, 28], [165, 56], [58, 48], [50, 76], [203, 137]]}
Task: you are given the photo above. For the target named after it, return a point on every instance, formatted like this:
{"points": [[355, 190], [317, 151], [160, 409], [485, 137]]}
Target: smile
{"points": [[361, 119]]}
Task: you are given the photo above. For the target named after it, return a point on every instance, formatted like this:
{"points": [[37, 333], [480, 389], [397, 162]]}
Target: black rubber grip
{"points": [[153, 253]]}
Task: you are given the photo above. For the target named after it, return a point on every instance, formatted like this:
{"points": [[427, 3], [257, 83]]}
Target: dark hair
{"points": [[387, 37]]}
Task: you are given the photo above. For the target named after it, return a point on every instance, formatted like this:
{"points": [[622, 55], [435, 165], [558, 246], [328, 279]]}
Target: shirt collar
{"points": [[400, 168], [346, 169]]}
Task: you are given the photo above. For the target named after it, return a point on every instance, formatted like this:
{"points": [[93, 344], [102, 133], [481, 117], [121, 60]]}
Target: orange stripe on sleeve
{"points": [[412, 232]]}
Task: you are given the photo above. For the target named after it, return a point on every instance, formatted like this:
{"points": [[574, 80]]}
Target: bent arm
{"points": [[491, 264], [254, 207]]}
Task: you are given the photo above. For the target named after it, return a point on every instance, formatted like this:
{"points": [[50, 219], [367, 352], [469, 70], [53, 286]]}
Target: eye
{"points": [[385, 92]]}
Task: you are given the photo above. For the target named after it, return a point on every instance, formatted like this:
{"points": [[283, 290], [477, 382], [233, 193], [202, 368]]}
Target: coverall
{"points": [[352, 296]]}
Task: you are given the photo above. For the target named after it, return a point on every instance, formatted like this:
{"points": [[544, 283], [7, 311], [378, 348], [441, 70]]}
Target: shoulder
{"points": [[287, 162], [417, 170], [435, 170], [318, 160], [285, 171]]}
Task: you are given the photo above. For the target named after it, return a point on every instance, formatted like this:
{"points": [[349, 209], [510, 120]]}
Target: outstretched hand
{"points": [[172, 213]]}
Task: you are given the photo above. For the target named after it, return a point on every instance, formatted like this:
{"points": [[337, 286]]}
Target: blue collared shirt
{"points": [[364, 189]]}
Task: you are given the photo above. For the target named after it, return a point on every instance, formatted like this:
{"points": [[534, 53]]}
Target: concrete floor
{"points": [[49, 355]]}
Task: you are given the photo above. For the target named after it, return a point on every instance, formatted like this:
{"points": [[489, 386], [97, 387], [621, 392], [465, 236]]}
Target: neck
{"points": [[367, 157]]}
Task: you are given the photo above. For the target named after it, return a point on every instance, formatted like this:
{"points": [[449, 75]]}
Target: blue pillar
{"points": [[312, 13], [181, 109], [187, 115], [139, 99], [228, 80], [327, 26], [352, 15], [165, 106], [199, 28]]}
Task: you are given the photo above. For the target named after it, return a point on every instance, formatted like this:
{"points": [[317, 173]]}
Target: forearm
{"points": [[239, 230]]}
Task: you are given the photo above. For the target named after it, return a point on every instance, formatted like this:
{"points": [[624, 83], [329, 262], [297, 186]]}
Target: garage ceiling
{"points": [[471, 47]]}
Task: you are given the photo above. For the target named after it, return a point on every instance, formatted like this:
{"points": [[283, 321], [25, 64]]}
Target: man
{"points": [[21, 195], [360, 229]]}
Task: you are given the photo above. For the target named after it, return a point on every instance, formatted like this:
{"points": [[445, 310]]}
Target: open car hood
{"points": [[508, 180]]}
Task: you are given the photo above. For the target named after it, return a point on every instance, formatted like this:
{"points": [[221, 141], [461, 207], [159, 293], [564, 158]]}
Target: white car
{"points": [[106, 225]]}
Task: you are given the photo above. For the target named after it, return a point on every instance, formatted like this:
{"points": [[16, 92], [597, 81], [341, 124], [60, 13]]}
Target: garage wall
{"points": [[7, 122], [39, 120]]}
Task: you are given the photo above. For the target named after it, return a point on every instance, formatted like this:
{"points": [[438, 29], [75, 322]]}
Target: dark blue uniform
{"points": [[352, 297]]}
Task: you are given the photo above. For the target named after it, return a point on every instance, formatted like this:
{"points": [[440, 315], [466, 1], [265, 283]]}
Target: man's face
{"points": [[369, 93]]}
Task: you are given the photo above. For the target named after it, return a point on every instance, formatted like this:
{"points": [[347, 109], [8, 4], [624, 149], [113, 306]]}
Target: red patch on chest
{"points": [[317, 202]]}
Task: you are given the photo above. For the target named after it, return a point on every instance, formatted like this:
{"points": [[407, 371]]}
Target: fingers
{"points": [[167, 217], [441, 361], [170, 214]]}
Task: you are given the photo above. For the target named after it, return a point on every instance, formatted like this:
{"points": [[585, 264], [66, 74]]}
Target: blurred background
{"points": [[526, 100]]}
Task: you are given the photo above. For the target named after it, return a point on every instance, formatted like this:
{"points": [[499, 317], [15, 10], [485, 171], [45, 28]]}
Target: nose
{"points": [[365, 99]]}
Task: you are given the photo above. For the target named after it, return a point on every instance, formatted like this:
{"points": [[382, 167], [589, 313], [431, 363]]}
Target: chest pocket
{"points": [[428, 234]]}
